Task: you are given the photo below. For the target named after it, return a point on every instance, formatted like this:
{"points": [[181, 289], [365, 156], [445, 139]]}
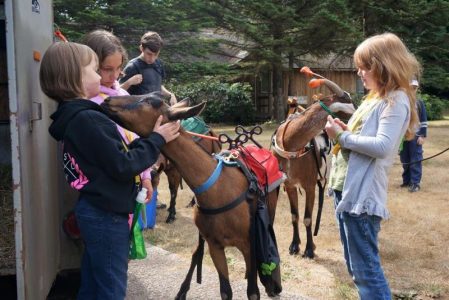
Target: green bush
{"points": [[435, 106], [226, 103]]}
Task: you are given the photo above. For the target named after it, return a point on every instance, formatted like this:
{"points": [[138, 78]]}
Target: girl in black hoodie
{"points": [[97, 165]]}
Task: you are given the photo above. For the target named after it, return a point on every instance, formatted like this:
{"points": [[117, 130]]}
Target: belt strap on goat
{"points": [[211, 180], [288, 154]]}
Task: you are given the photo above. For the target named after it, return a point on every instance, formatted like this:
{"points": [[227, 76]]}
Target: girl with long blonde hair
{"points": [[368, 146]]}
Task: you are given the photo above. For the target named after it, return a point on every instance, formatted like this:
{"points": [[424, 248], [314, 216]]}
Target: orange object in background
{"points": [[314, 83], [306, 70], [36, 55]]}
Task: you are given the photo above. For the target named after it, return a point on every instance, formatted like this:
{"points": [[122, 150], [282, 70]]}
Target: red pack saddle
{"points": [[263, 164]]}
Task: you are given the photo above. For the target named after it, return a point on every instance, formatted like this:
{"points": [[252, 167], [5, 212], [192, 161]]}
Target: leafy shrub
{"points": [[5, 178], [435, 106], [226, 103]]}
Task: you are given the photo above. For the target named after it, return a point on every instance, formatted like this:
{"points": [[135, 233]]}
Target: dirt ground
{"points": [[414, 242]]}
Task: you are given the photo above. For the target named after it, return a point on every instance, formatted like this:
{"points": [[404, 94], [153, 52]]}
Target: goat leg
{"points": [[197, 256]]}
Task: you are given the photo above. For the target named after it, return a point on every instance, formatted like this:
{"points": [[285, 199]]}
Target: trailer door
{"points": [[36, 176]]}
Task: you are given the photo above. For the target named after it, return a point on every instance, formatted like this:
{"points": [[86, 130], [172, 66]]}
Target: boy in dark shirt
{"points": [[149, 66]]}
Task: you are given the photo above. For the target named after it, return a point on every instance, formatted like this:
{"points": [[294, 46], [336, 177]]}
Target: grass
{"points": [[413, 243]]}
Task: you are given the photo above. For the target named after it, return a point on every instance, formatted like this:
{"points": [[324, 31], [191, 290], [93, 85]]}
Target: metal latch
{"points": [[36, 113]]}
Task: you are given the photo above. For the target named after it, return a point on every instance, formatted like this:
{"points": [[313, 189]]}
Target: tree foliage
{"points": [[176, 21], [422, 24], [275, 33]]}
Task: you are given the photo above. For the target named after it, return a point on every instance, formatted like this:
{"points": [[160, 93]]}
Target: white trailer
{"points": [[40, 195]]}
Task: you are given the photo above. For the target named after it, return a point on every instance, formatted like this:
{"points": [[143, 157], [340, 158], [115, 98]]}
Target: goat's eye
{"points": [[156, 103]]}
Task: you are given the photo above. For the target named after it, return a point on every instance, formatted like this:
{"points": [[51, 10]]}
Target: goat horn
{"points": [[306, 70], [314, 83], [334, 87]]}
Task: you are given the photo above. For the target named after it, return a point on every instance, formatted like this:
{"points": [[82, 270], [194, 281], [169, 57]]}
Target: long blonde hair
{"points": [[392, 66]]}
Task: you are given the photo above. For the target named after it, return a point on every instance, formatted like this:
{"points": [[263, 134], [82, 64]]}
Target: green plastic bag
{"points": [[137, 243]]}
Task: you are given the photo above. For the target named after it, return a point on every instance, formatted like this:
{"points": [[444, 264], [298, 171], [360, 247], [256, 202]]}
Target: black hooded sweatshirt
{"points": [[95, 160]]}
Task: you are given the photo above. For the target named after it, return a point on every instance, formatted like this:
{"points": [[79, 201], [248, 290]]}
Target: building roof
{"points": [[332, 61]]}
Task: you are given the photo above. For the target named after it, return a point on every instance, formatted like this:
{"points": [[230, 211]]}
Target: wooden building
{"points": [[341, 70], [338, 68]]}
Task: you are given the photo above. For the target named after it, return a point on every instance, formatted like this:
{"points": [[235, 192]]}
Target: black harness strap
{"points": [[252, 192], [215, 211]]}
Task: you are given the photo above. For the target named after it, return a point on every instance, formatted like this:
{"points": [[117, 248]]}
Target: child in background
{"points": [[97, 165], [149, 67], [112, 55], [369, 143], [411, 154]]}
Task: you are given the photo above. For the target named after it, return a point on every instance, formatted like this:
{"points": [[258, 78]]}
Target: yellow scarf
{"points": [[356, 125]]}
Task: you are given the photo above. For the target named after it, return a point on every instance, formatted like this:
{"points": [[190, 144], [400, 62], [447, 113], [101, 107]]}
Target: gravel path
{"points": [[160, 275]]}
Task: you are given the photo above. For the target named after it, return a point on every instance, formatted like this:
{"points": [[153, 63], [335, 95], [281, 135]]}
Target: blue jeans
{"points": [[358, 235], [104, 264]]}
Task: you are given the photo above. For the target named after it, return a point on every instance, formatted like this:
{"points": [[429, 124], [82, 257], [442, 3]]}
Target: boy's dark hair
{"points": [[104, 43], [61, 70], [152, 41]]}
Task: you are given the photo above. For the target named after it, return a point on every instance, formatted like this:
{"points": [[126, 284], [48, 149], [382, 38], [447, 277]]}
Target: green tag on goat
{"points": [[267, 269]]}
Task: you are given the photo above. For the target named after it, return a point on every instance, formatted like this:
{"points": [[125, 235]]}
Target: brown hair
{"points": [[104, 43], [152, 41], [392, 66], [61, 71]]}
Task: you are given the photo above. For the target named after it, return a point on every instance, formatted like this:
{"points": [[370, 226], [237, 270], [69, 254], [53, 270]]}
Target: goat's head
{"points": [[139, 113], [340, 102]]}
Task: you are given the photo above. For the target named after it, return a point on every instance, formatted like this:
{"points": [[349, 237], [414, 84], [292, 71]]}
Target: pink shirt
{"points": [[116, 90]]}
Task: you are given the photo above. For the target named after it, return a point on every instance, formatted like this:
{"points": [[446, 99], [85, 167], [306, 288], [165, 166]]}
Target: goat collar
{"points": [[288, 154], [327, 109]]}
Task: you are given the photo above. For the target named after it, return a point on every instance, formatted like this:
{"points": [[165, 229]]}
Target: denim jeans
{"points": [[358, 235], [104, 263]]}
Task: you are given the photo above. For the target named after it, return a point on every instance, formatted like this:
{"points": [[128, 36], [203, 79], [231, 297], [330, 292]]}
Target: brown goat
{"points": [[226, 229], [299, 157], [174, 177]]}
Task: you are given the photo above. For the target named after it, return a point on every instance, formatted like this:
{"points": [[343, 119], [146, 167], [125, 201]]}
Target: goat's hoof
{"points": [[270, 293], [293, 249], [308, 253], [181, 296], [225, 296], [254, 297], [170, 219]]}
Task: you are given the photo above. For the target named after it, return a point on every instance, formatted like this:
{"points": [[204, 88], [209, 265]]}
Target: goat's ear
{"points": [[178, 113], [183, 103]]}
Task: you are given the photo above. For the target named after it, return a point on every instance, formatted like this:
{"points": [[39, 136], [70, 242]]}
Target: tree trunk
{"points": [[277, 92]]}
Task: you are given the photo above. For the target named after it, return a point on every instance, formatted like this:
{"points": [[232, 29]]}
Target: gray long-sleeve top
{"points": [[373, 151]]}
